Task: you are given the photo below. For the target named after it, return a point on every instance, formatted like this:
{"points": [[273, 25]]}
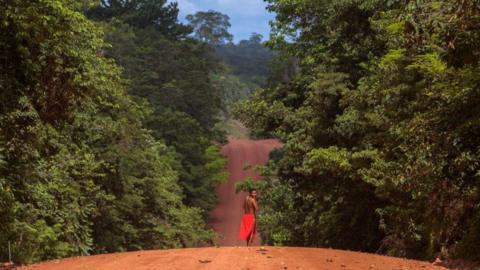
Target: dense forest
{"points": [[377, 105], [249, 59], [112, 117], [108, 128]]}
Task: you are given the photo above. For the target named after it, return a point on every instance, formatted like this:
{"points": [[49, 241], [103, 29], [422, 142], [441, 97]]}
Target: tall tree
{"points": [[211, 27]]}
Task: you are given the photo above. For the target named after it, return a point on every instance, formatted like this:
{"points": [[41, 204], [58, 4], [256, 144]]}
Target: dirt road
{"points": [[234, 258], [226, 218]]}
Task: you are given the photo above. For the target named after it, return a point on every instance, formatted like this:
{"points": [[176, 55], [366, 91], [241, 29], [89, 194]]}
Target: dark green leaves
{"points": [[381, 123], [79, 171], [211, 27]]}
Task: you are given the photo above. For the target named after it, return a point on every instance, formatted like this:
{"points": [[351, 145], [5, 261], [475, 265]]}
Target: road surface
{"points": [[236, 258], [226, 218]]}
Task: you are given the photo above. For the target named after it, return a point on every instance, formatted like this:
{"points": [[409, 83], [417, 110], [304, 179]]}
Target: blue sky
{"points": [[246, 16]]}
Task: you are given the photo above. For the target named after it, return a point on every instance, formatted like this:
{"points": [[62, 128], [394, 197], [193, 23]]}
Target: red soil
{"points": [[226, 221], [226, 218], [235, 258]]}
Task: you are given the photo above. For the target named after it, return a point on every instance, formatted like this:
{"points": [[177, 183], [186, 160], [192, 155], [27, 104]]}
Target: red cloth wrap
{"points": [[247, 227]]}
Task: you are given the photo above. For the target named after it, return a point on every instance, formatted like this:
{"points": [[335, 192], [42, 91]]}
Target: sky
{"points": [[246, 16]]}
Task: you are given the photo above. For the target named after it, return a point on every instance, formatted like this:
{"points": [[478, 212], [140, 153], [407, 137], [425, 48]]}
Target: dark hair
{"points": [[250, 190]]}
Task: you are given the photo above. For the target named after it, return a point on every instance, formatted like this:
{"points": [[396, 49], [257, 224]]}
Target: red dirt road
{"points": [[226, 218], [235, 258]]}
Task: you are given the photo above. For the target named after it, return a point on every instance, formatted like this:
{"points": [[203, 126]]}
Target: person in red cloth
{"points": [[248, 228]]}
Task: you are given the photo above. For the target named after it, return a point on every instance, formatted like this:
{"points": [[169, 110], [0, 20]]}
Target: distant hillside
{"points": [[249, 59]]}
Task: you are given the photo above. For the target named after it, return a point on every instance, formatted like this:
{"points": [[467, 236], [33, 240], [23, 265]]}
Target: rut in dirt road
{"points": [[226, 218]]}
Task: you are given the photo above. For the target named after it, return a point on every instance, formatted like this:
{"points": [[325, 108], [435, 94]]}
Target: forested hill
{"points": [[107, 123], [249, 60], [381, 124]]}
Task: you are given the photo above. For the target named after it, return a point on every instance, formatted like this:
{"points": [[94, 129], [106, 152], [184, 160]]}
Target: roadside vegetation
{"points": [[377, 107]]}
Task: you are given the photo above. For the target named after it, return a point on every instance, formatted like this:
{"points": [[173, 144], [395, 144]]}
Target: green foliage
{"points": [[275, 225], [79, 171], [249, 59], [210, 27], [258, 114], [174, 75], [248, 184], [168, 73], [204, 178], [429, 63], [380, 127], [391, 57], [49, 181], [142, 14], [234, 89]]}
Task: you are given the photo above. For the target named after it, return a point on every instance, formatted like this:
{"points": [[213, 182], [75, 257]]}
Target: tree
{"points": [[255, 38], [143, 14], [211, 27], [249, 59], [378, 127]]}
